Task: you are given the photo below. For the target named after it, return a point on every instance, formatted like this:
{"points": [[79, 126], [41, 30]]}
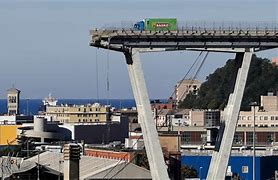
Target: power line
{"points": [[195, 75]]}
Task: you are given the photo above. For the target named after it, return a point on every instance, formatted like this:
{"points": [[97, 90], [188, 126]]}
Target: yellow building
{"points": [[90, 113], [8, 134]]}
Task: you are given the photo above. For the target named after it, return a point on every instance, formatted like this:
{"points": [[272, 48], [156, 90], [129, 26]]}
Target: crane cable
{"points": [[184, 77], [179, 83], [107, 78], [196, 60], [195, 75], [97, 88]]}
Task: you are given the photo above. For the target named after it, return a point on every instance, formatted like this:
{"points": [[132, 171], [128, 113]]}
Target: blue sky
{"points": [[44, 44]]}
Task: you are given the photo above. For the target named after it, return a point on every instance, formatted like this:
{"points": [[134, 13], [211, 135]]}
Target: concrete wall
{"points": [[197, 118], [169, 142], [269, 103]]}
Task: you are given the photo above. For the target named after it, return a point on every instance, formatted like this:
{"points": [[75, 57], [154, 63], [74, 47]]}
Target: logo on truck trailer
{"points": [[161, 25]]}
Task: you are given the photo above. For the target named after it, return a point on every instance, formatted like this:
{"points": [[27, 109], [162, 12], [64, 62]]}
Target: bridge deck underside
{"points": [[122, 40]]}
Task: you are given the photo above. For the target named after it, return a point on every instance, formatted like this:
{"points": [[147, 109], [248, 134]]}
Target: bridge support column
{"points": [[153, 148], [220, 159]]}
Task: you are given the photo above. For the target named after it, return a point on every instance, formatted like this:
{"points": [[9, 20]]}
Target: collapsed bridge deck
{"points": [[121, 40]]}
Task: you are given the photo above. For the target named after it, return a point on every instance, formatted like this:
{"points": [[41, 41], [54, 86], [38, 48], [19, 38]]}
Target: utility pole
{"points": [[253, 105], [38, 165]]}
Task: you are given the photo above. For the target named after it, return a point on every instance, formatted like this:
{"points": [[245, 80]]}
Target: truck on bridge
{"points": [[156, 24]]}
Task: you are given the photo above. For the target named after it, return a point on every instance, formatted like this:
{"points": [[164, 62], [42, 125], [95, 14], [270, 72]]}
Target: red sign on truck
{"points": [[161, 25]]}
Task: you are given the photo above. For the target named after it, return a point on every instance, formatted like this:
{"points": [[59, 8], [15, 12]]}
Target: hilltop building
{"points": [[90, 113], [186, 86], [13, 101]]}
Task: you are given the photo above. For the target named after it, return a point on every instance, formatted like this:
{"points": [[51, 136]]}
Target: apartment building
{"points": [[90, 113], [265, 116], [185, 87], [180, 117]]}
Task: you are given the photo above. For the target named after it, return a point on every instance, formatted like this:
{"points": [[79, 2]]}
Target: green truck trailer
{"points": [[157, 24]]}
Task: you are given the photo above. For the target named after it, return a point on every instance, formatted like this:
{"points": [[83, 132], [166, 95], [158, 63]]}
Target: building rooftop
{"points": [[94, 167], [13, 90]]}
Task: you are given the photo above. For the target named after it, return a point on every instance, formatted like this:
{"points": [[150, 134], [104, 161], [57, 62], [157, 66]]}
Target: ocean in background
{"points": [[32, 106]]}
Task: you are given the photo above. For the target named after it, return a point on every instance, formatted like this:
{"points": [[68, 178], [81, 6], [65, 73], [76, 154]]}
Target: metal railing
{"points": [[203, 25]]}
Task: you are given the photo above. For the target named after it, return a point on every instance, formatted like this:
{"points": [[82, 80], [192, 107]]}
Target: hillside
{"points": [[214, 92]]}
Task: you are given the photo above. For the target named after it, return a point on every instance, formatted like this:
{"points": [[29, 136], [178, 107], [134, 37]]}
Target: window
{"points": [[249, 138], [244, 169], [272, 117], [186, 138], [249, 117], [265, 118], [243, 118]]}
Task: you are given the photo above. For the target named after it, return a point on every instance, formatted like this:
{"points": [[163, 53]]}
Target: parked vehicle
{"points": [[156, 24]]}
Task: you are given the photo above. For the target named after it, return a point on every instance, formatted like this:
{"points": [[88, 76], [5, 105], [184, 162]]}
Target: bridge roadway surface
{"points": [[122, 40]]}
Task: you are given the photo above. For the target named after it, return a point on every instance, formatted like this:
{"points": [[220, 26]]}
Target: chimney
{"points": [[71, 161]]}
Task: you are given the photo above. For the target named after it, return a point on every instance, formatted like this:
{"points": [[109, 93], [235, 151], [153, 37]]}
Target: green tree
{"points": [[215, 91], [188, 172]]}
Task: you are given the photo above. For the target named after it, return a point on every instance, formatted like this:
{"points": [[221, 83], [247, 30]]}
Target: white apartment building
{"points": [[265, 116]]}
